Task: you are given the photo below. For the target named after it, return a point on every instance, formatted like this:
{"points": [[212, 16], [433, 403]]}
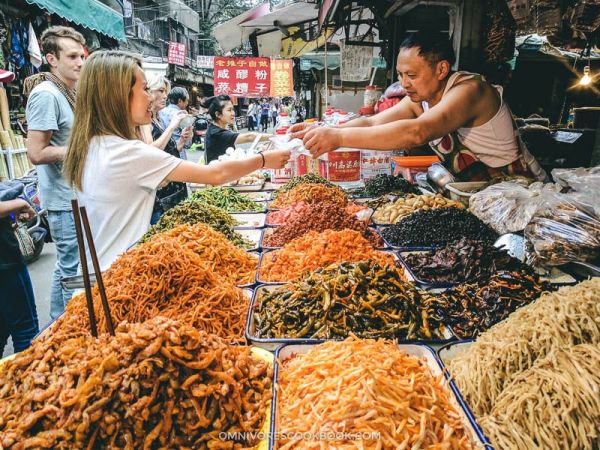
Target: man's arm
{"points": [[406, 109], [40, 152], [457, 108]]}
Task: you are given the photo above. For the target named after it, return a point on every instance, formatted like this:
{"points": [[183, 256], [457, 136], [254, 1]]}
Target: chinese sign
{"points": [[356, 61], [205, 62], [282, 78], [341, 166], [176, 54], [375, 163], [242, 77]]}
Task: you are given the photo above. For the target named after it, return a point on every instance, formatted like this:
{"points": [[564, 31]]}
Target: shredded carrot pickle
{"points": [[364, 394]]}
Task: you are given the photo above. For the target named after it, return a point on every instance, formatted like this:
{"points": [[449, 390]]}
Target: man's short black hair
{"points": [[176, 94], [433, 46]]}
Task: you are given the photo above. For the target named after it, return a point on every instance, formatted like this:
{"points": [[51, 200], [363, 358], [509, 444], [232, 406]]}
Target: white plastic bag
{"points": [[508, 207]]}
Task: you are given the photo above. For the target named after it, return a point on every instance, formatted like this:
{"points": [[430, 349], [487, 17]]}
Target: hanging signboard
{"points": [[356, 61], [282, 78], [242, 77], [205, 62], [176, 53]]}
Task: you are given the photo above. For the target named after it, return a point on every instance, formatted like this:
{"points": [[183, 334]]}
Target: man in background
{"points": [[49, 119], [178, 100]]}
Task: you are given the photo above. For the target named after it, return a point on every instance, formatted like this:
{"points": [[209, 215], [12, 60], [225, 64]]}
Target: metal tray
{"points": [[76, 282], [262, 210], [271, 229], [447, 352], [249, 221], [260, 196], [259, 281], [247, 187], [252, 235], [273, 343], [423, 352]]}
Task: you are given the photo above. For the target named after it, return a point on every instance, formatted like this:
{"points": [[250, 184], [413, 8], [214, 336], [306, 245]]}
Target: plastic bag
{"points": [[584, 182], [563, 230], [285, 142], [580, 179], [508, 207]]}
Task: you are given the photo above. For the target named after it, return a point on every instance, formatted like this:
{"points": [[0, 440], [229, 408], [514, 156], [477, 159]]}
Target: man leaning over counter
{"points": [[462, 117]]}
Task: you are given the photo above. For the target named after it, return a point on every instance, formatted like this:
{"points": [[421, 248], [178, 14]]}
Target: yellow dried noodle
{"points": [[569, 316], [554, 405]]}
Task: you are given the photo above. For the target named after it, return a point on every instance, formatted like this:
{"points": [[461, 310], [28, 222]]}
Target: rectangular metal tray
{"points": [[259, 196], [252, 235], [259, 281], [272, 344], [423, 352], [249, 221], [447, 352]]}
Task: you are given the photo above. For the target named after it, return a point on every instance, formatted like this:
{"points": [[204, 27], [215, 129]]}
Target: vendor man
{"points": [[460, 115]]}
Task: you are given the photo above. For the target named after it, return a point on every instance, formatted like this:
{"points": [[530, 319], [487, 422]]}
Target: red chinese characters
{"points": [[176, 53], [242, 77]]}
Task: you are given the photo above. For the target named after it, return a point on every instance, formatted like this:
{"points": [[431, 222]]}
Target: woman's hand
{"points": [[176, 119], [276, 159], [186, 135]]}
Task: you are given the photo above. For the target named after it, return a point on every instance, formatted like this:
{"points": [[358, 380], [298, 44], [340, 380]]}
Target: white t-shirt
{"points": [[119, 183]]}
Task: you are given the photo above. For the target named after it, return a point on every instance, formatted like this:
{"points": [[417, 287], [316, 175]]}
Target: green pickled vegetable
{"points": [[364, 298], [190, 213], [228, 199]]}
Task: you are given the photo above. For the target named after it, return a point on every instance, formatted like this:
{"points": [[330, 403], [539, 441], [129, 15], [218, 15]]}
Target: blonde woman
{"points": [[115, 174], [161, 138]]}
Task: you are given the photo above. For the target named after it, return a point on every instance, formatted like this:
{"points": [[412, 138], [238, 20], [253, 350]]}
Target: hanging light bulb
{"points": [[585, 79]]}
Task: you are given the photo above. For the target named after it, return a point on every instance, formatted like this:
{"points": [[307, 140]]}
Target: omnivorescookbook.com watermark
{"points": [[294, 436]]}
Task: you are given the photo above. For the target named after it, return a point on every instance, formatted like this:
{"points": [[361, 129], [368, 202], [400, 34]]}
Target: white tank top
{"points": [[495, 143]]}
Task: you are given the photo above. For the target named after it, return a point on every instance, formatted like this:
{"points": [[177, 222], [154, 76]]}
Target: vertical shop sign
{"points": [[242, 77], [282, 78], [176, 53]]}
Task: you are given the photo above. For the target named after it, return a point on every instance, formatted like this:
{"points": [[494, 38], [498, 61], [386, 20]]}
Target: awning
{"points": [[230, 34], [88, 13], [286, 16]]}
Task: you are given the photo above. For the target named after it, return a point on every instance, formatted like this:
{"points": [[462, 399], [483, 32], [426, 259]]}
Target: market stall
{"points": [[354, 289]]}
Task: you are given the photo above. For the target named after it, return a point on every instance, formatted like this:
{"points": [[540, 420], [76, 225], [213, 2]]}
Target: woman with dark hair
{"points": [[218, 137]]}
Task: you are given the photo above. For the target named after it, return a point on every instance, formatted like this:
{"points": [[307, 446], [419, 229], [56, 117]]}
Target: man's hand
{"points": [[300, 129], [319, 141]]}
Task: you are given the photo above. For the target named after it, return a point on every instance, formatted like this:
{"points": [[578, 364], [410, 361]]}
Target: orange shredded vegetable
{"points": [[311, 193], [162, 277], [364, 394], [230, 262], [314, 250]]}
